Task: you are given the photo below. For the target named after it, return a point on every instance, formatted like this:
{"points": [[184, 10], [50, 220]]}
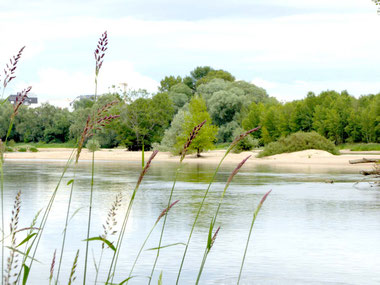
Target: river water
{"points": [[307, 232]]}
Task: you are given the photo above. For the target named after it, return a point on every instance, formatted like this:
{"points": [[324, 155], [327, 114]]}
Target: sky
{"points": [[287, 47]]}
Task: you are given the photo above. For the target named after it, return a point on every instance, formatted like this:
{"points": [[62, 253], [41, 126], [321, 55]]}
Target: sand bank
{"points": [[307, 159]]}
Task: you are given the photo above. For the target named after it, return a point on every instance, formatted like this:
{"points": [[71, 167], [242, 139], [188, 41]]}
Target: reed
{"points": [[191, 137], [9, 75], [229, 149], [210, 240], [52, 266], [12, 261], [113, 264], [73, 269], [164, 212], [99, 57], [255, 213], [109, 228]]}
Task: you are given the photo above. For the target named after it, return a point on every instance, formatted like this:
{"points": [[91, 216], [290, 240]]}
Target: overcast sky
{"points": [[287, 47]]}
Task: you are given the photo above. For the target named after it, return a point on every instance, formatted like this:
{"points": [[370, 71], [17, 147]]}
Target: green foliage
{"points": [[168, 82], [206, 136], [212, 74], [297, 142], [169, 141], [9, 149], [22, 149], [93, 145], [226, 132], [246, 144], [32, 149], [144, 121], [361, 146]]}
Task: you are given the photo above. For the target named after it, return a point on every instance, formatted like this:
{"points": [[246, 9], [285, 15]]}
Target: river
{"points": [[307, 232]]}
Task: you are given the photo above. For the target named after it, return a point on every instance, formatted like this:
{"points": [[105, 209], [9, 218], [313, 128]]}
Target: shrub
{"points": [[22, 149], [33, 149], [245, 144], [11, 143], [93, 145], [297, 142]]}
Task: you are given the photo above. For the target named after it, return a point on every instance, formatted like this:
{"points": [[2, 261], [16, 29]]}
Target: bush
{"points": [[93, 145], [22, 149], [33, 149], [11, 143], [245, 144], [297, 142]]}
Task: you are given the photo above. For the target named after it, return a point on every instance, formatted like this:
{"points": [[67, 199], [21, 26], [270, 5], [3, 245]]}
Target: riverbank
{"points": [[307, 159]]}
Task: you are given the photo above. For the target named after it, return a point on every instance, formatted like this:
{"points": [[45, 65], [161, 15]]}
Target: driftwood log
{"points": [[370, 172], [364, 160]]}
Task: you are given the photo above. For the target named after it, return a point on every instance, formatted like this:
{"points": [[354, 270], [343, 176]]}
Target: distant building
{"points": [[31, 99], [81, 97]]}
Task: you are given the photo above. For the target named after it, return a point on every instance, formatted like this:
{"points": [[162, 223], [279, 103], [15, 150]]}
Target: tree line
{"points": [[165, 118]]}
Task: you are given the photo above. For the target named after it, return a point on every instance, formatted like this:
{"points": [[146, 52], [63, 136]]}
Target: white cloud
{"points": [[60, 87], [288, 91], [310, 42]]}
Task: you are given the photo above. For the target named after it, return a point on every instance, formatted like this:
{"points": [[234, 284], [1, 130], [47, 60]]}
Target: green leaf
{"points": [[20, 252], [26, 274], [5, 100], [126, 280], [107, 242], [26, 239], [168, 245], [160, 279], [209, 238], [70, 181]]}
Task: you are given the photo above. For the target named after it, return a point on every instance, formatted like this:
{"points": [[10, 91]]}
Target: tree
{"points": [[144, 121], [207, 135], [212, 74], [168, 82]]}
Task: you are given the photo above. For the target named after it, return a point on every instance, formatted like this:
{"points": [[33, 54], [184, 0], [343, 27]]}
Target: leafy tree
{"points": [[169, 140], [144, 120], [207, 135], [168, 82], [212, 74]]}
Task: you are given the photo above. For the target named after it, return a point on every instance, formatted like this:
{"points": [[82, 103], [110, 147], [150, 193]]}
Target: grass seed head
{"points": [[100, 51], [10, 69], [191, 137], [166, 210]]}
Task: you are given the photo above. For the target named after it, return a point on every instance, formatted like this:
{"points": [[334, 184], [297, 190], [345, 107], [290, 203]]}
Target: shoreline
{"points": [[307, 159]]}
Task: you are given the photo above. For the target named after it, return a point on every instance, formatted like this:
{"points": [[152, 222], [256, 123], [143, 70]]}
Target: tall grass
{"points": [[190, 139], [229, 149], [99, 118]]}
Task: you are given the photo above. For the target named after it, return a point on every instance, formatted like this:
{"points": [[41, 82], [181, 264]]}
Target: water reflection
{"points": [[308, 232]]}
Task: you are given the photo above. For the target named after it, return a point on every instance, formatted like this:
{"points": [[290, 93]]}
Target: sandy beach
{"points": [[307, 159]]}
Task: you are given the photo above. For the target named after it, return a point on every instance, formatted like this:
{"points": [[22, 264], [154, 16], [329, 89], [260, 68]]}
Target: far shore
{"points": [[303, 160]]}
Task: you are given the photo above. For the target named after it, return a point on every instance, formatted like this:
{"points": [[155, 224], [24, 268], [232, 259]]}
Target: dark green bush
{"points": [[33, 149], [22, 149], [297, 142]]}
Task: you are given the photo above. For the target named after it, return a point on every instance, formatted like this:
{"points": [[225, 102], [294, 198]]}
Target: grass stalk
{"points": [[164, 223], [213, 221], [255, 213], [66, 223], [164, 212], [191, 137], [232, 145], [99, 55], [112, 268], [45, 216], [89, 216]]}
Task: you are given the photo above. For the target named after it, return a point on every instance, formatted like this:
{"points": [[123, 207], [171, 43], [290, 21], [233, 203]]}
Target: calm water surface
{"points": [[308, 231]]}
